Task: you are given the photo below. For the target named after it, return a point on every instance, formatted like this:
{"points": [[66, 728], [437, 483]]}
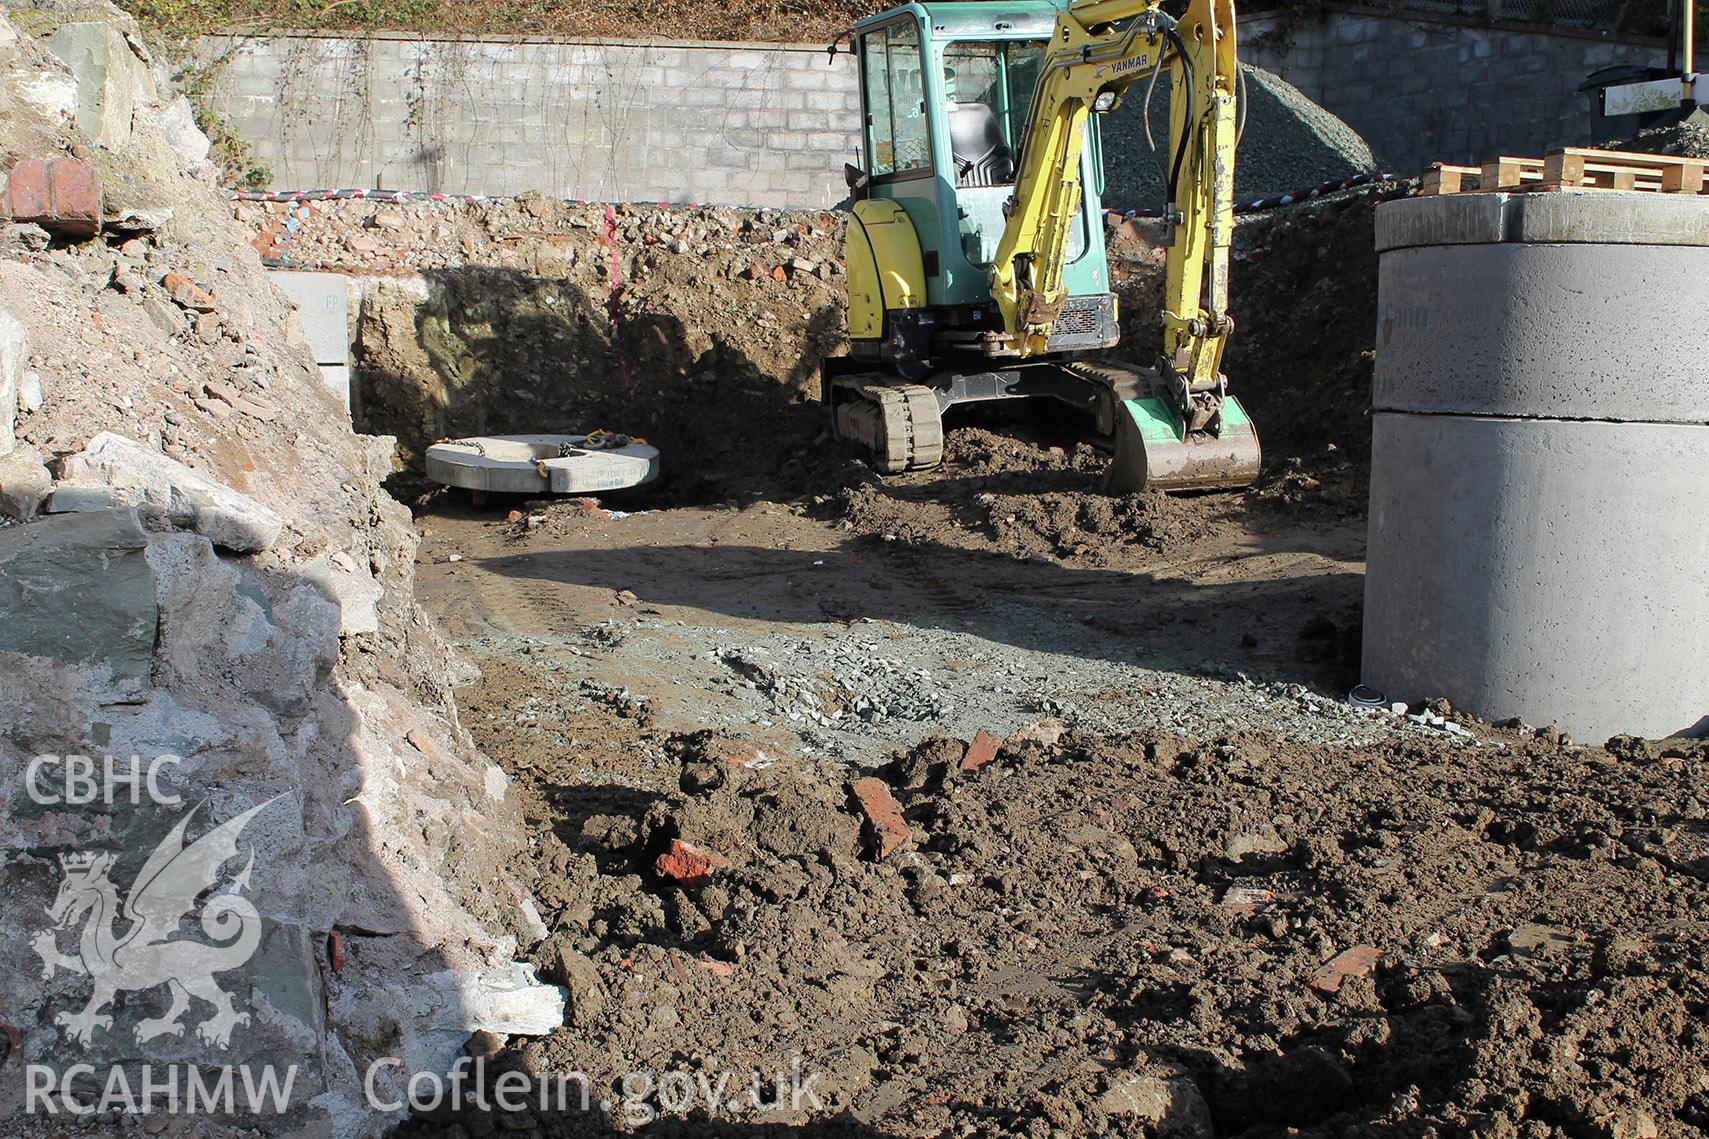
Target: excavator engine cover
{"points": [[1155, 452]]}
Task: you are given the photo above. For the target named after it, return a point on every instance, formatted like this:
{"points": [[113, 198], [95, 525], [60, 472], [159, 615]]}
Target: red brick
{"points": [[689, 865], [779, 274], [889, 831], [59, 194], [1354, 962], [981, 751], [27, 194], [717, 968]]}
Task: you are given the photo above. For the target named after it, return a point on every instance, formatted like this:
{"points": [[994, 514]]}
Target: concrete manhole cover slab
{"points": [[543, 464]]}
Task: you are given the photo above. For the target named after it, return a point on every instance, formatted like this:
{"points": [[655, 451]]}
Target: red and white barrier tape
{"points": [[347, 195], [295, 196]]}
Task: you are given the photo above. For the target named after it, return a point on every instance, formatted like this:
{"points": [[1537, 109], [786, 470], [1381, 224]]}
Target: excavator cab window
{"points": [[988, 93], [989, 89], [898, 138]]}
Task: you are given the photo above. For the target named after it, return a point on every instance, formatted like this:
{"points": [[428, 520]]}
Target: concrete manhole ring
{"points": [[540, 464]]}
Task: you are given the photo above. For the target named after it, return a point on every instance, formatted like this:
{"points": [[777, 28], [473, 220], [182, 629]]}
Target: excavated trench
{"points": [[973, 802], [983, 803]]}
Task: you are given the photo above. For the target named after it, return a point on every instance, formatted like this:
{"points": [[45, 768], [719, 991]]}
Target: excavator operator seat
{"points": [[982, 155]]}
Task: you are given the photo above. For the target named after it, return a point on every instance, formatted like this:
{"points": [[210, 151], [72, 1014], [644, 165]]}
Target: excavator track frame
{"points": [[899, 424]]}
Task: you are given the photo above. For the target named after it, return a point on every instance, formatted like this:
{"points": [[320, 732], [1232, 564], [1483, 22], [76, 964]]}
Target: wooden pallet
{"points": [[1573, 168]]}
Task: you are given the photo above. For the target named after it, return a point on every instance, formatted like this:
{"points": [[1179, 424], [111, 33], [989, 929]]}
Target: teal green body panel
{"points": [[1156, 420], [934, 203], [1158, 423]]}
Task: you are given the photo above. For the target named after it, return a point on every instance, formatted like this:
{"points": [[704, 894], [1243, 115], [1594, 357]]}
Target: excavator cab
{"points": [[945, 91], [947, 95]]}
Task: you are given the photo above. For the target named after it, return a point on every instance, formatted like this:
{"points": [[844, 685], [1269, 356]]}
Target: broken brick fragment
{"points": [[980, 752], [883, 816], [689, 865], [717, 968], [1355, 962], [779, 274], [187, 294]]}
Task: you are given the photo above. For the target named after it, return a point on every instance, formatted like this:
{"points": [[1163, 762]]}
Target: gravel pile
{"points": [[1290, 143], [854, 683], [1689, 139]]}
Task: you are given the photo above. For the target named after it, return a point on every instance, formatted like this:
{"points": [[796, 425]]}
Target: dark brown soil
{"points": [[1090, 923], [1132, 935], [1034, 491]]}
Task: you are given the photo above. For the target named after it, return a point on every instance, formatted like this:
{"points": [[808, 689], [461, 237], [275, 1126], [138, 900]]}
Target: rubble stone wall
{"points": [[241, 826]]}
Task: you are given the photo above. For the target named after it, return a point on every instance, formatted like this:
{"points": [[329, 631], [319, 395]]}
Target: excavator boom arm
{"points": [[1100, 48]]}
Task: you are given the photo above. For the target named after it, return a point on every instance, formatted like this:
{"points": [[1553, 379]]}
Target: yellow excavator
{"points": [[976, 260]]}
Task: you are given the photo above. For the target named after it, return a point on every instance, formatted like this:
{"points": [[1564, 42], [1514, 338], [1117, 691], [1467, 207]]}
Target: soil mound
{"points": [[1243, 936]]}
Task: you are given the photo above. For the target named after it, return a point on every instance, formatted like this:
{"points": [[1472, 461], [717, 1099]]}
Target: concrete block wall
{"points": [[772, 124], [761, 125], [1424, 89], [323, 310]]}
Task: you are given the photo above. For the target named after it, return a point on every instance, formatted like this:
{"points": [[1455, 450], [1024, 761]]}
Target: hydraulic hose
{"points": [[1240, 127], [1187, 118], [1145, 116]]}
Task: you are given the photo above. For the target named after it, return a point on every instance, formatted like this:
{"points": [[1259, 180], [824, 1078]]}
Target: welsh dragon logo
{"points": [[149, 952]]}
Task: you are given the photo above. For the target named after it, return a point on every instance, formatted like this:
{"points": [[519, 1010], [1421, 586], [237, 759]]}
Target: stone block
{"points": [[225, 517], [12, 348], [178, 123], [323, 307], [113, 83], [24, 483], [79, 589], [352, 588], [73, 497], [337, 378], [814, 79]]}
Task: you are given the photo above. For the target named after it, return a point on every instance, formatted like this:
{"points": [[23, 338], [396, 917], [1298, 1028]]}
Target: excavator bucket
{"points": [[1153, 453]]}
